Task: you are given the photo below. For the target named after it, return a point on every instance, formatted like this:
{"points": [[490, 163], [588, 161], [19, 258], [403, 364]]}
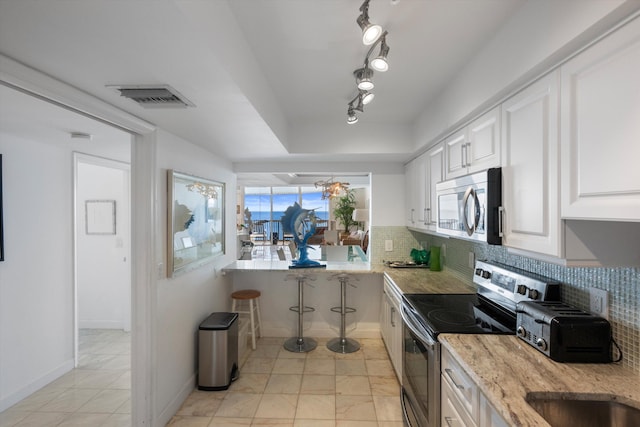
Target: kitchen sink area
{"points": [[586, 410]]}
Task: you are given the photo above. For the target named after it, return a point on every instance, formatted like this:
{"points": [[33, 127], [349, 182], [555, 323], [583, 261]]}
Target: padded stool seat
{"points": [[251, 296]]}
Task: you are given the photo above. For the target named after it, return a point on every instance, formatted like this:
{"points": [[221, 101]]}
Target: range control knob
{"points": [[522, 289], [533, 294], [478, 272], [542, 344], [486, 274], [522, 332]]}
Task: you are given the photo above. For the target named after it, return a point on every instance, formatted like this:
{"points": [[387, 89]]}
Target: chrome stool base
{"points": [[343, 345], [300, 345]]}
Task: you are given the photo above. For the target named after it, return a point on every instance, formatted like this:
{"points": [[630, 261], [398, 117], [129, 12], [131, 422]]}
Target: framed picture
{"points": [[195, 221], [1, 222], [100, 216]]}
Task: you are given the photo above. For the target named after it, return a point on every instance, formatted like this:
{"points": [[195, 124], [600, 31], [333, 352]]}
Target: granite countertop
{"points": [[425, 281], [277, 265], [506, 369]]}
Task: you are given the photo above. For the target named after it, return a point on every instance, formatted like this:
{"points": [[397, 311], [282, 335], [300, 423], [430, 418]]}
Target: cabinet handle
{"points": [[427, 216], [466, 154], [453, 380], [463, 159], [411, 219], [393, 312], [449, 420], [500, 221]]}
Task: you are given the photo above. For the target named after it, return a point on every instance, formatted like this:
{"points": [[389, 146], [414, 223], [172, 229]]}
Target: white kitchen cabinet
{"points": [[422, 175], [462, 402], [600, 125], [391, 325], [475, 147], [530, 156]]}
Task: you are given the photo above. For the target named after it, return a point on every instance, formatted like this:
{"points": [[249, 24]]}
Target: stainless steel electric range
{"points": [[492, 310]]}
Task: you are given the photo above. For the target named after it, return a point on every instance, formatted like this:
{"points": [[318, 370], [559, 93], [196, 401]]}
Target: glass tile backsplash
{"points": [[622, 284]]}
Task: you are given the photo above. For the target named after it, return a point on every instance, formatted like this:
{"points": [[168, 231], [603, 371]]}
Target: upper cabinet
{"points": [[421, 175], [475, 147], [530, 189], [600, 129]]}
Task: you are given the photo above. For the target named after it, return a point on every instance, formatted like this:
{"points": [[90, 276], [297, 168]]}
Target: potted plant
{"points": [[343, 210]]}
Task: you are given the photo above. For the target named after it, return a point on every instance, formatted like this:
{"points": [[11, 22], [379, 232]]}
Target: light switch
{"points": [[388, 245]]}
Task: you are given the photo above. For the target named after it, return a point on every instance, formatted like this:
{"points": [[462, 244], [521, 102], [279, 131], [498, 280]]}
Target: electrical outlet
{"points": [[599, 302], [472, 260], [388, 245]]}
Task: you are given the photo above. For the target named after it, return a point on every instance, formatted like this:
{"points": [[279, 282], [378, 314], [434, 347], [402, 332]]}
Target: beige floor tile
{"points": [[350, 423], [201, 404], [125, 408], [286, 354], [70, 401], [384, 386], [318, 384], [320, 367], [353, 385], [38, 399], [106, 401], [321, 352], [11, 417], [97, 379], [316, 407], [118, 420], [288, 366], [229, 422], [249, 383], [266, 351], [122, 382], [351, 367], [189, 421], [283, 383], [118, 362], [239, 405], [42, 419], [355, 408], [267, 422], [314, 423], [379, 368], [258, 366], [388, 408], [375, 353], [356, 355], [84, 420], [277, 406], [391, 424]]}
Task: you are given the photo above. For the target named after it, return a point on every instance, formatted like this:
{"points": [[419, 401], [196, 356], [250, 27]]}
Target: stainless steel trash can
{"points": [[218, 351]]}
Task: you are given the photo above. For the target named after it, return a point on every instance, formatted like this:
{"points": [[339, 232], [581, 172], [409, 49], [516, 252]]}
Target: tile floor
{"points": [[315, 389], [97, 393]]}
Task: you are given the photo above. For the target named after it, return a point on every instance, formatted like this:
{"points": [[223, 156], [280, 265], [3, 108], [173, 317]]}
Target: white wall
{"points": [[103, 273], [387, 199], [36, 278], [184, 301]]}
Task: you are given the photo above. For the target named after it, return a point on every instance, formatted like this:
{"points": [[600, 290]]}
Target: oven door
{"points": [[420, 374]]}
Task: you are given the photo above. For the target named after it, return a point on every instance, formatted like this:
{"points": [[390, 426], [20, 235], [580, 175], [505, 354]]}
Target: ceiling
{"points": [[270, 80]]}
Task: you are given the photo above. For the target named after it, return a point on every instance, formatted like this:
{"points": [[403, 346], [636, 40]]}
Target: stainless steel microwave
{"points": [[470, 207]]}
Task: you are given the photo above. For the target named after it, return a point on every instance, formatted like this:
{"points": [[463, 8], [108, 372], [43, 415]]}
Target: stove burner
{"points": [[451, 317]]}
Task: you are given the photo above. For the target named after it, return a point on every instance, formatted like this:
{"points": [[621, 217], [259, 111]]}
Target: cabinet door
{"points": [[483, 148], [489, 417], [601, 129], [410, 181], [435, 174], [452, 413], [421, 190], [530, 168], [456, 146]]}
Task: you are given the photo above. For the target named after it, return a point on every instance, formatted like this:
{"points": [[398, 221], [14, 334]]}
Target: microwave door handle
{"points": [[470, 228]]}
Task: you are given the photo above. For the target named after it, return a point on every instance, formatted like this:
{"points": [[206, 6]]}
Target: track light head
{"points": [[380, 63], [363, 78], [366, 96], [370, 32], [351, 116]]}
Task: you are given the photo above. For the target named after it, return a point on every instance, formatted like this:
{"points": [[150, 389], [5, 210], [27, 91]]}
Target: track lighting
{"points": [[372, 35], [363, 78], [370, 32], [379, 63]]}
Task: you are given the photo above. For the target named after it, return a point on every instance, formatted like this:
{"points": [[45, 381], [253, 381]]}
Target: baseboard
{"points": [[170, 410], [36, 385]]}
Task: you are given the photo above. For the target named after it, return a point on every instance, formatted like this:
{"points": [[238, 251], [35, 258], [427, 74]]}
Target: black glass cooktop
{"points": [[460, 313]]}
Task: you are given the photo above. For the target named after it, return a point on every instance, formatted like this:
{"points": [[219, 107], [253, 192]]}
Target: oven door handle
{"points": [[407, 317]]}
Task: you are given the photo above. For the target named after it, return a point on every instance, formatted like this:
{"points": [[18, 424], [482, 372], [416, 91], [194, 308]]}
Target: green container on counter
{"points": [[420, 256], [434, 259]]}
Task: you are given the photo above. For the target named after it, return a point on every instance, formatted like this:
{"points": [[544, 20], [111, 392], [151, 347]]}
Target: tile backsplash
{"points": [[622, 284]]}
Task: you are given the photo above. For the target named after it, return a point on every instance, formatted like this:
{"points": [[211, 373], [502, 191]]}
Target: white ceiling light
{"points": [[370, 32]]}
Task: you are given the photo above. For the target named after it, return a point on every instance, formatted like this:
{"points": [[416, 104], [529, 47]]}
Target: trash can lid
{"points": [[218, 321]]}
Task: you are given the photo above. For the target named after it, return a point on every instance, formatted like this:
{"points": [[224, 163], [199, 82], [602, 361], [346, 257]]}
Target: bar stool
{"points": [[300, 344], [343, 344], [252, 297]]}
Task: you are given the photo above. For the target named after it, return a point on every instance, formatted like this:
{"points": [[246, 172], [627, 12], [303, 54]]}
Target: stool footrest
{"points": [[346, 309], [305, 309]]}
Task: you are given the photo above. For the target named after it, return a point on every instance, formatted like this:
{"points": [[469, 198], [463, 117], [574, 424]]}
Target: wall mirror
{"points": [[195, 221]]}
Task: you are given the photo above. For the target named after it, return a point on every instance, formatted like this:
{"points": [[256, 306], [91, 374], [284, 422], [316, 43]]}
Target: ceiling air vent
{"points": [[154, 96]]}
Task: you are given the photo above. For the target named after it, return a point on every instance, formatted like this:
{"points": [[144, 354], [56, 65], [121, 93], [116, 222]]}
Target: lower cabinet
{"points": [[463, 404], [391, 325]]}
